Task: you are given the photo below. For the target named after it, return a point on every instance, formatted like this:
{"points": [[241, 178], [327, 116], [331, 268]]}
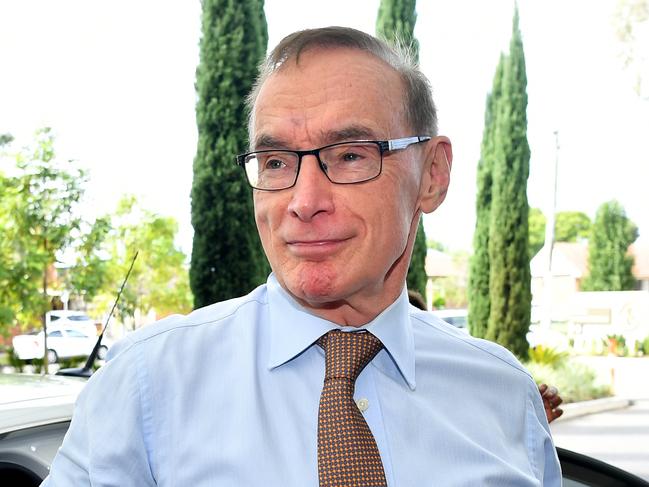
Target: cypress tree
{"points": [[610, 265], [396, 23], [509, 270], [478, 287], [417, 277], [227, 258]]}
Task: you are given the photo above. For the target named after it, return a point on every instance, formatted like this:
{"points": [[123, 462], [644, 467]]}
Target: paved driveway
{"points": [[619, 437]]}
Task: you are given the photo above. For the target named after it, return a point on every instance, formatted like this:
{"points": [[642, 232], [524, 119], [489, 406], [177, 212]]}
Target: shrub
{"points": [[616, 345], [548, 356], [14, 361], [643, 346], [575, 381]]}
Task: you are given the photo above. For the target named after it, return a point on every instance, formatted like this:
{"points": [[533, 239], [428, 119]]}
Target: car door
{"points": [[56, 341], [78, 342]]}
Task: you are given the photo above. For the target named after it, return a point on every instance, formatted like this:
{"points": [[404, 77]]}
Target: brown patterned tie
{"points": [[347, 452]]}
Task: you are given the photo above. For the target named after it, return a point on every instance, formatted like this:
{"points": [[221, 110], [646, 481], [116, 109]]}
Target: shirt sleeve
{"points": [[105, 444], [543, 454]]}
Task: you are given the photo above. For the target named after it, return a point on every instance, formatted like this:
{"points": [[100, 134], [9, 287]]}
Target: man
{"points": [[344, 158]]}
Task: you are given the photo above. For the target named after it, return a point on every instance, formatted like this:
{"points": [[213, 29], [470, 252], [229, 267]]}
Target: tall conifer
{"points": [[396, 23], [227, 258], [608, 259], [509, 271], [478, 291]]}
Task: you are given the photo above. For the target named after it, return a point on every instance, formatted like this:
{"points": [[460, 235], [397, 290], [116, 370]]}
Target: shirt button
{"points": [[362, 404]]}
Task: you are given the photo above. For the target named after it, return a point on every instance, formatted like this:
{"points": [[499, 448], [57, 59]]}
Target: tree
{"points": [[417, 277], [631, 22], [7, 299], [40, 213], [509, 271], [571, 226], [159, 280], [435, 245], [536, 223], [610, 265], [396, 23], [227, 257], [5, 139], [478, 288], [89, 274]]}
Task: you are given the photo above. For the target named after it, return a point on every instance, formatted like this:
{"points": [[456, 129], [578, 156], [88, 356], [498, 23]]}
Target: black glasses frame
{"points": [[383, 145]]}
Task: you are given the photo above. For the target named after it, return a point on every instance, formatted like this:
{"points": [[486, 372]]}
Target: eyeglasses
{"points": [[342, 163]]}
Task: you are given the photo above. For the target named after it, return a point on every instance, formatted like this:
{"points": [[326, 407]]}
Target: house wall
{"points": [[595, 315], [563, 288]]}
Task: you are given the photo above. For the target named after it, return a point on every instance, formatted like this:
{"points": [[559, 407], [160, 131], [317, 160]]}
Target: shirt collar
{"points": [[293, 329]]}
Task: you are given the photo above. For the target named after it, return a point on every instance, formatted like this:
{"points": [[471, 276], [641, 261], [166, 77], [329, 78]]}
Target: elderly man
{"points": [[325, 375]]}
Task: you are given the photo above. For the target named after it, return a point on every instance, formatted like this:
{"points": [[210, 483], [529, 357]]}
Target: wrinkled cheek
{"points": [[264, 229]]}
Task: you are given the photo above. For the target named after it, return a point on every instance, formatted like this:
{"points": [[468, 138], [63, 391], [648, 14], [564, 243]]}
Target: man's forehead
{"points": [[356, 89], [340, 54], [349, 64], [266, 140]]}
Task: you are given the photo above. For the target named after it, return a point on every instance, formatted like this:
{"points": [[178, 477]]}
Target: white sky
{"points": [[115, 80]]}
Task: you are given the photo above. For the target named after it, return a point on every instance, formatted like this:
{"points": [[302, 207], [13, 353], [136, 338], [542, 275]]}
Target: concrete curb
{"points": [[576, 409]]}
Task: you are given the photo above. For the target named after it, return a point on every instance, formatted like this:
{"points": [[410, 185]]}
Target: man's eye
{"points": [[274, 164], [350, 157]]}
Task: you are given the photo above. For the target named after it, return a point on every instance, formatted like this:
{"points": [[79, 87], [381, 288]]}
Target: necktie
{"points": [[347, 452]]}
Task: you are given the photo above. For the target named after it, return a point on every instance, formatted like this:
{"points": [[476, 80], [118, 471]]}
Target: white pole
{"points": [[549, 243]]}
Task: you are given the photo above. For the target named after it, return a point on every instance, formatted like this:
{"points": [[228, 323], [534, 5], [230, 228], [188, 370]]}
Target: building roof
{"points": [[571, 258], [439, 264], [568, 259], [640, 252]]}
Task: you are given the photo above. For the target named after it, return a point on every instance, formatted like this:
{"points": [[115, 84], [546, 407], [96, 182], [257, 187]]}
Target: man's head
{"points": [[418, 100], [343, 249]]}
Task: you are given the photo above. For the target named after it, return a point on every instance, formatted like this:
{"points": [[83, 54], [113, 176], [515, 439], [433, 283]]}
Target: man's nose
{"points": [[312, 193]]}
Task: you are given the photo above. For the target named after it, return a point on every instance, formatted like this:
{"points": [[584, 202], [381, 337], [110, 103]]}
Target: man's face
{"points": [[330, 244]]}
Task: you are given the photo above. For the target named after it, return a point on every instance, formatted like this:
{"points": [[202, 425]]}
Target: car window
{"points": [[79, 318], [75, 334], [56, 333], [458, 321], [54, 317]]}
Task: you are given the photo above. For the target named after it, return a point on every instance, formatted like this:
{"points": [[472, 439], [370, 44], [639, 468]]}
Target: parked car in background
{"points": [[69, 334], [69, 317], [456, 317]]}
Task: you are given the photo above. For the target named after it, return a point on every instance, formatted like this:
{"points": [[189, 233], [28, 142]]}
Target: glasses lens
{"points": [[352, 162], [271, 170]]}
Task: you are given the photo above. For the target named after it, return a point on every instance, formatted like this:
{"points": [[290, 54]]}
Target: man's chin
{"points": [[314, 284]]}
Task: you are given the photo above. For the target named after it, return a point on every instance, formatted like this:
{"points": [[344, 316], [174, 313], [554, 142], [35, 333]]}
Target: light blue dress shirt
{"points": [[228, 396]]}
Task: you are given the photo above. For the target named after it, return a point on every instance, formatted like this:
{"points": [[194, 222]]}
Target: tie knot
{"points": [[347, 353]]}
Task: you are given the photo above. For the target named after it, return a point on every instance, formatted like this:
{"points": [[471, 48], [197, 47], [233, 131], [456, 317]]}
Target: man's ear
{"points": [[436, 175]]}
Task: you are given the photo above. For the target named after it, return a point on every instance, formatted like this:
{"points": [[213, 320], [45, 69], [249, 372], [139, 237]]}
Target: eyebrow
{"points": [[266, 141], [351, 132]]}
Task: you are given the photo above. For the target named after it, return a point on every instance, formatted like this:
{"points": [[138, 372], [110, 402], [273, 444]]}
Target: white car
{"points": [[69, 339], [35, 413], [68, 317], [456, 317]]}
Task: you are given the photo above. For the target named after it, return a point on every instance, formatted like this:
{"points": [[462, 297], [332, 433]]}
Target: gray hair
{"points": [[420, 108]]}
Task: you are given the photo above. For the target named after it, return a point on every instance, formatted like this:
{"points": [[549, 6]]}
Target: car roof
{"points": [[445, 313], [66, 313], [32, 400]]}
